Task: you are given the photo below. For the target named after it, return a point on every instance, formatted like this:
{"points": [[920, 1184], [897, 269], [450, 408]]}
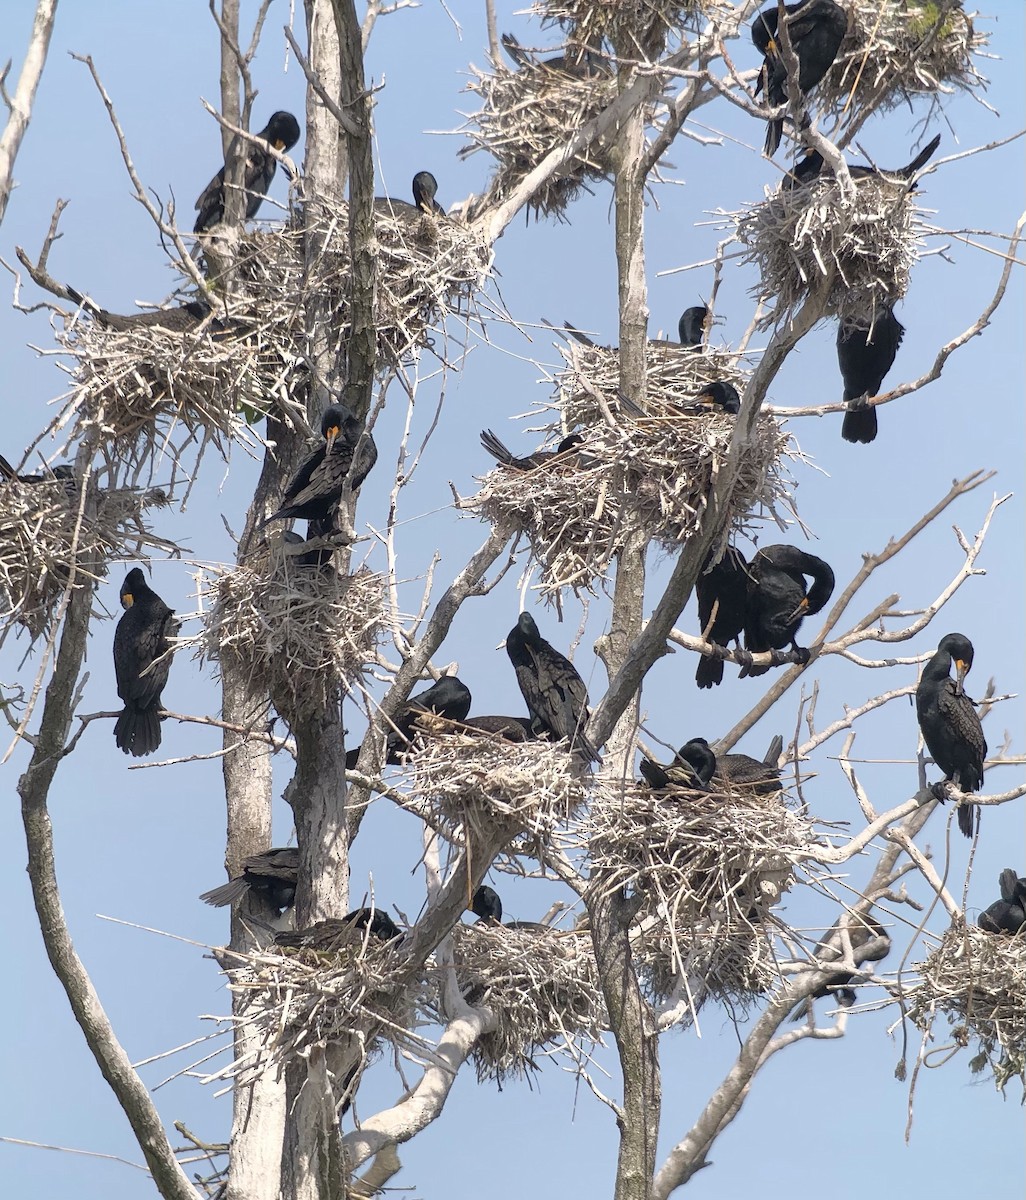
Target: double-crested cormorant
{"points": [[510, 729], [334, 934], [861, 931], [692, 326], [947, 717], [425, 187], [811, 166], [141, 637], [742, 773], [449, 697], [271, 874], [1007, 915], [316, 489], [180, 318], [778, 600], [816, 29], [555, 693], [281, 132], [487, 907], [530, 462], [722, 592], [62, 473], [718, 394], [582, 62], [693, 767], [865, 356]]}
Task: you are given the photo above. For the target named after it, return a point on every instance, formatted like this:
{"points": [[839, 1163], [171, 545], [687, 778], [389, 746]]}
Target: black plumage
{"points": [[315, 491], [778, 600], [865, 356], [693, 766], [555, 693], [862, 930], [449, 697], [530, 462], [281, 132], [62, 473], [811, 166], [510, 729], [487, 907], [948, 720], [140, 639], [742, 773], [722, 592], [271, 874], [580, 62], [815, 29], [335, 934], [180, 318], [691, 327], [1007, 915], [718, 394], [425, 187]]}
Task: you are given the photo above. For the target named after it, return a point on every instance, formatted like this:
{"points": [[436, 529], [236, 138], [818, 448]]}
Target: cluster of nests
{"points": [[976, 980], [649, 472]]}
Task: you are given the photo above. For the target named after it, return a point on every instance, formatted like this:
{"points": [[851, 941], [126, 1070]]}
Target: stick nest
{"points": [[542, 987], [866, 247], [977, 980], [708, 868], [525, 115], [46, 528], [299, 631], [646, 21]]}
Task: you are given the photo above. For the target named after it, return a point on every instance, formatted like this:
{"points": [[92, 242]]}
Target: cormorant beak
{"points": [[279, 145], [961, 671], [800, 608], [127, 600], [331, 435]]}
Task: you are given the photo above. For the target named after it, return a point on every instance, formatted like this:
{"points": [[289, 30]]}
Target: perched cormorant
{"points": [[181, 318], [316, 489], [530, 462], [583, 62], [811, 166], [865, 356], [281, 132], [425, 186], [555, 693], [778, 600], [692, 326], [334, 934], [947, 717], [816, 29], [271, 874], [487, 907], [510, 729], [718, 394], [861, 931], [1007, 915], [449, 697], [693, 767], [141, 637], [722, 592]]}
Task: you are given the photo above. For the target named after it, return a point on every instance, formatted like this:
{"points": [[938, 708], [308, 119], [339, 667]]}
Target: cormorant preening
{"points": [[316, 489], [1007, 915], [718, 394], [778, 600], [281, 132], [811, 166], [816, 29], [861, 931], [722, 592], [693, 767], [865, 356], [692, 326], [141, 637], [947, 717], [449, 697], [271, 874], [335, 934], [555, 693], [425, 186], [530, 462]]}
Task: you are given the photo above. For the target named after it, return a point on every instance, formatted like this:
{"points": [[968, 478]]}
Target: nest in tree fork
{"points": [[299, 631], [46, 528], [646, 22], [707, 867], [542, 987], [866, 246], [977, 980]]}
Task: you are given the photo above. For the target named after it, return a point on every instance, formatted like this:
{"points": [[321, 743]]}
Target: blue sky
{"points": [[141, 845]]}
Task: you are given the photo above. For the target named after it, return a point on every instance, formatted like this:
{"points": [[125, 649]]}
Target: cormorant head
{"points": [[961, 650], [568, 443], [697, 755], [336, 417], [720, 394], [1008, 882], [528, 627], [133, 587], [692, 325], [486, 905], [425, 185], [282, 131]]}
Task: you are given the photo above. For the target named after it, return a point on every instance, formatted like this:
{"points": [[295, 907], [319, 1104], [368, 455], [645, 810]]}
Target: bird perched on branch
{"points": [[778, 600], [816, 29], [949, 723], [142, 636], [449, 697], [693, 767], [335, 934], [811, 166], [722, 591], [861, 931], [281, 132], [315, 491], [1007, 915], [271, 874], [425, 186], [530, 462], [865, 356], [555, 693]]}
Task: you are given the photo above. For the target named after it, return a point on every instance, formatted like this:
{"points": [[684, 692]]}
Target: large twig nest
{"points": [[977, 980], [299, 631], [542, 987], [646, 22], [866, 246], [47, 527]]}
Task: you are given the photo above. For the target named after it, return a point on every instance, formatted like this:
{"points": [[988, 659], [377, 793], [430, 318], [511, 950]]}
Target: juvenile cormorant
{"points": [[316, 489], [449, 697], [141, 637], [271, 874], [719, 394], [865, 356], [425, 186], [555, 693], [281, 132], [1007, 915], [722, 592], [530, 462], [816, 29], [692, 326], [947, 717], [693, 767], [334, 934], [778, 600]]}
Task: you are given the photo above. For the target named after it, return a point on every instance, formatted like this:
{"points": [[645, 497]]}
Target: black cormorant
{"points": [[272, 874], [449, 697], [62, 473], [722, 592], [742, 773], [281, 132], [947, 717], [693, 767], [1007, 915], [811, 166], [530, 462], [865, 356], [778, 600], [861, 931], [816, 29], [487, 907], [510, 729], [718, 394], [180, 318], [581, 62], [141, 637], [334, 934], [425, 186], [691, 327], [555, 693]]}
